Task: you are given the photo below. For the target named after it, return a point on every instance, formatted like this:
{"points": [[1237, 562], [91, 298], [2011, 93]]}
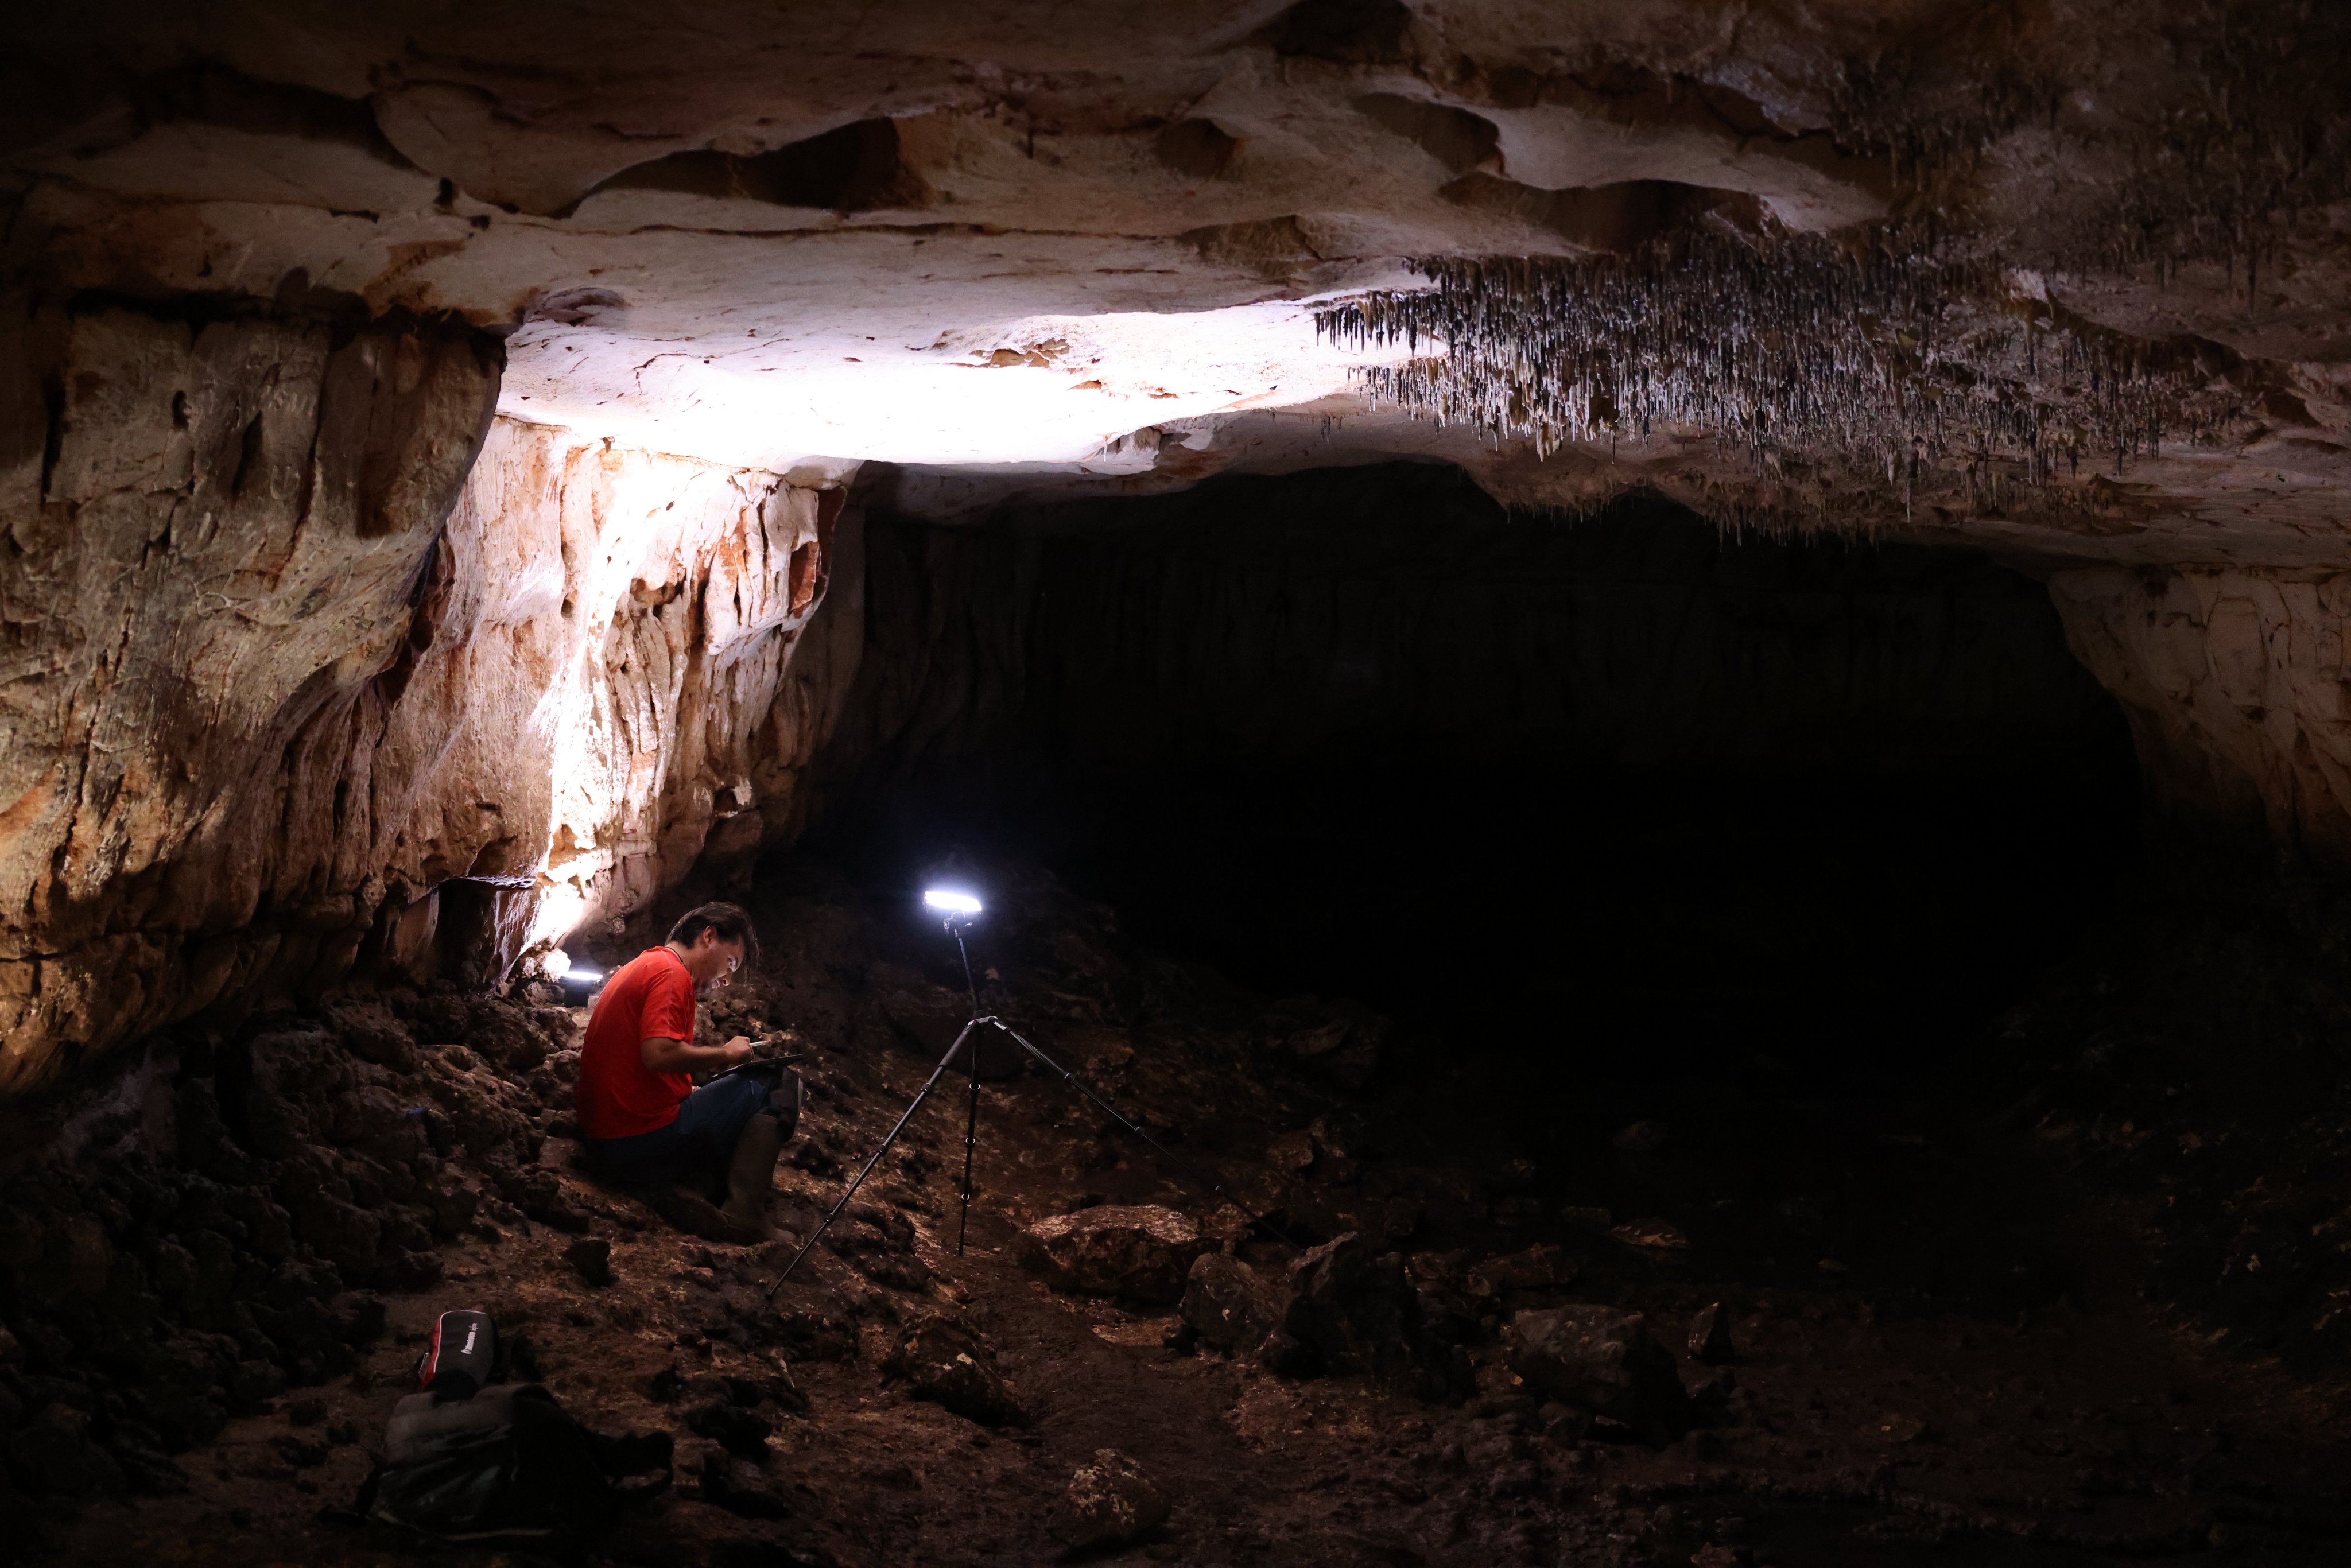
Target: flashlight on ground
{"points": [[578, 982]]}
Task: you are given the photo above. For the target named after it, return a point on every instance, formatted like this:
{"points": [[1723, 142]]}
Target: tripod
{"points": [[971, 1120]]}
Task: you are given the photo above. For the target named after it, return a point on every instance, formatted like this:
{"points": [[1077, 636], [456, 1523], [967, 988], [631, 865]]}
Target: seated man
{"points": [[646, 1124]]}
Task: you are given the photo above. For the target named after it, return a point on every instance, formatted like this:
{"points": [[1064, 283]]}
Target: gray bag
{"points": [[508, 1463]]}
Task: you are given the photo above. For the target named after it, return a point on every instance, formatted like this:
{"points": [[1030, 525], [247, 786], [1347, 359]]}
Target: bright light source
{"points": [[948, 902], [556, 964]]}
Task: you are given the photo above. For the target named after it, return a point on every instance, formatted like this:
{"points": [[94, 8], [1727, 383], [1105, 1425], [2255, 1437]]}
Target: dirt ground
{"points": [[1942, 1350]]}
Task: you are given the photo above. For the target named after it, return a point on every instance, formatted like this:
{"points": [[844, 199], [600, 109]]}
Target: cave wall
{"points": [[2237, 684], [643, 667], [296, 632], [215, 531]]}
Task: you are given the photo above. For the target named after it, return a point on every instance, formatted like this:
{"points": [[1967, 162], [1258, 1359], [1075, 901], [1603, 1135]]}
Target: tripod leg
{"points": [[970, 1142], [907, 1115]]}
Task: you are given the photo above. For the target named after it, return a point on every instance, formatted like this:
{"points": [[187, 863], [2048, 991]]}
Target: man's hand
{"points": [[661, 1054]]}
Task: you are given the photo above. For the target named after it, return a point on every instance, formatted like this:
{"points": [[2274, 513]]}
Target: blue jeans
{"points": [[696, 1146]]}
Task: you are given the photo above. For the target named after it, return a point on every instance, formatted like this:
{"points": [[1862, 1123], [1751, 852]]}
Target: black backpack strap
{"points": [[366, 1499], [626, 1466], [640, 1462], [629, 1459], [351, 1515]]}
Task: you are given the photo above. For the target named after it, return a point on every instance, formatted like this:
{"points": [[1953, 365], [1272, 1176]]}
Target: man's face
{"points": [[712, 962]]}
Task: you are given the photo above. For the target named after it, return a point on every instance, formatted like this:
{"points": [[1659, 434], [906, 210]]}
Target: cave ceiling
{"points": [[1018, 246]]}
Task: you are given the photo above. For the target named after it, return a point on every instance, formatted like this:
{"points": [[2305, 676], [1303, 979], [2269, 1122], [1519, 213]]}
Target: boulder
{"points": [[1290, 1152], [740, 1489], [1351, 1308], [944, 1363], [1229, 1304], [737, 1430], [1536, 1269], [537, 1193], [1653, 1235], [1709, 1335], [369, 1032], [506, 1035], [1344, 1050], [1141, 1252], [1605, 1361], [438, 1015], [1111, 1503], [751, 1376], [878, 1241]]}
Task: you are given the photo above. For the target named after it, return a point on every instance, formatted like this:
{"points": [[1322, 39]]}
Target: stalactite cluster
{"points": [[2250, 140], [2261, 145], [1896, 367]]}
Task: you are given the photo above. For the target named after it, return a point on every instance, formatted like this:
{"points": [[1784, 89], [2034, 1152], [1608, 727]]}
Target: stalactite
{"points": [[1788, 349]]}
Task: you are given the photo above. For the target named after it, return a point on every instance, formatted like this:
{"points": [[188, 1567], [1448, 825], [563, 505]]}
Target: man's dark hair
{"points": [[728, 919]]}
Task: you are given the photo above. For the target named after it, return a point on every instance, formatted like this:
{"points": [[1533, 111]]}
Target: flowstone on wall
{"points": [[304, 636]]}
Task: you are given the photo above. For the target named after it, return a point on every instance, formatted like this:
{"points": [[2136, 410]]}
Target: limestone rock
{"points": [[878, 1240], [371, 1033], [1351, 1308], [1709, 1335], [740, 1488], [1535, 1268], [1229, 1304], [742, 1432], [1605, 1361], [1141, 1252], [1340, 1041], [1111, 1503], [750, 1377], [940, 1361], [507, 1035]]}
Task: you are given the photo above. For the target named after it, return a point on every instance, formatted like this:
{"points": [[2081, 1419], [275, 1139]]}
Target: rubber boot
{"points": [[784, 1103], [751, 1175], [697, 1215]]}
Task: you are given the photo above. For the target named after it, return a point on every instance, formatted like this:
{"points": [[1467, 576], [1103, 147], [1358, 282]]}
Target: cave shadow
{"points": [[1621, 822]]}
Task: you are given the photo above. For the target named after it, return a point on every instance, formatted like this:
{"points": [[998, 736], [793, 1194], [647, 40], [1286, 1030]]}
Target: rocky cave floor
{"points": [[1942, 1349]]}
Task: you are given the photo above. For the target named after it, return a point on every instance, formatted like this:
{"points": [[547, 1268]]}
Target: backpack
{"points": [[508, 1463]]}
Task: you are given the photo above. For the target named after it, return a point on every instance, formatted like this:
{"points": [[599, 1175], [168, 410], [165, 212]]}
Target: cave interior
{"points": [[1654, 703]]}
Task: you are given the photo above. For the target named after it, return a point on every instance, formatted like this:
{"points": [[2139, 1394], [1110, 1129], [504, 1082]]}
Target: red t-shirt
{"points": [[618, 1096]]}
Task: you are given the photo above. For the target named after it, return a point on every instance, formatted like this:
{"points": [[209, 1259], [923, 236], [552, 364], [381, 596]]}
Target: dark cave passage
{"points": [[1610, 800], [1694, 871]]}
